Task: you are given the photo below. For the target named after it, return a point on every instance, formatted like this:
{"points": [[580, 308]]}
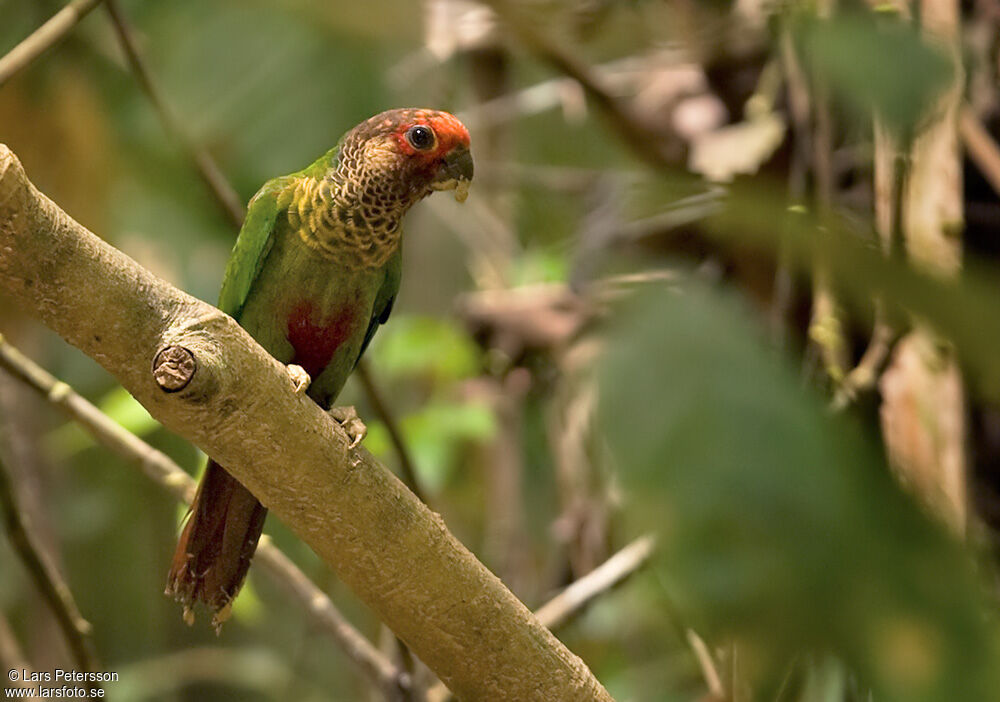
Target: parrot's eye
{"points": [[420, 137]]}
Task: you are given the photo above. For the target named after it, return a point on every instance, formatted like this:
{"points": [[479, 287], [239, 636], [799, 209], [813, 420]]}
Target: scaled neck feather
{"points": [[352, 212]]}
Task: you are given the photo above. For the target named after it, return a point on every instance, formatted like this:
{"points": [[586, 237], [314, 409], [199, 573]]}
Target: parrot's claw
{"points": [[348, 419], [300, 379]]}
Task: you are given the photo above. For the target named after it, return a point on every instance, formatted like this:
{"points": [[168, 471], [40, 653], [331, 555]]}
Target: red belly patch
{"points": [[315, 343]]}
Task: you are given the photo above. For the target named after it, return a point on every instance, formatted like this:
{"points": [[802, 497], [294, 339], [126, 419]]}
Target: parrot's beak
{"points": [[456, 173]]}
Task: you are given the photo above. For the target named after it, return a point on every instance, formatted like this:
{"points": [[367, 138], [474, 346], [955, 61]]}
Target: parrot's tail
{"points": [[215, 548]]}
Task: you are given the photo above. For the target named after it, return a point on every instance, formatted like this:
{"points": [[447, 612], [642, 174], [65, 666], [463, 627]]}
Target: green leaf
{"points": [[778, 522], [126, 410], [424, 346], [876, 65], [435, 435]]}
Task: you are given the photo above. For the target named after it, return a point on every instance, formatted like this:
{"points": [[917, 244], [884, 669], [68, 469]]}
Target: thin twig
{"points": [[44, 38], [155, 464], [865, 374], [75, 629], [406, 466], [11, 656], [164, 472], [582, 592], [982, 148], [886, 181], [708, 669], [209, 171], [644, 141], [377, 667]]}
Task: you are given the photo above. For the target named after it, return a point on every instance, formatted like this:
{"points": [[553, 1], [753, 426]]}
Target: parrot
{"points": [[313, 274]]}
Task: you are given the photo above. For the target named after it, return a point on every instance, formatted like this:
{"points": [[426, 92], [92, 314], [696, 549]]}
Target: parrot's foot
{"points": [[348, 419], [300, 379]]}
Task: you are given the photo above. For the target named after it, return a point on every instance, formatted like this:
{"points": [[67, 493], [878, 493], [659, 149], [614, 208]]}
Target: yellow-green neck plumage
{"points": [[349, 205], [335, 230]]}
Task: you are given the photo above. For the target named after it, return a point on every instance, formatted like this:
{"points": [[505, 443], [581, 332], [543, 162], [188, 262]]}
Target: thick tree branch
{"points": [[159, 468], [239, 407], [53, 589], [44, 38]]}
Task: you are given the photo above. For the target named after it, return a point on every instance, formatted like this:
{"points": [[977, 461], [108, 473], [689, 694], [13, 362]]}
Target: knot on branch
{"points": [[173, 368]]}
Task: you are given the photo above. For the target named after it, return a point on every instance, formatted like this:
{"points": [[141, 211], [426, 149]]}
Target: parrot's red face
{"points": [[408, 153]]}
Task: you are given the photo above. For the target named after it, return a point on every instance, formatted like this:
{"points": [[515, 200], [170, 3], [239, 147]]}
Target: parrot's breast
{"points": [[316, 338]]}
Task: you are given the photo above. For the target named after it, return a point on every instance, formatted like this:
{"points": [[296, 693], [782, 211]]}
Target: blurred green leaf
{"points": [[757, 219], [124, 409], [778, 522], [248, 608], [70, 439], [437, 432], [876, 64], [539, 266], [424, 346], [825, 682], [435, 435]]}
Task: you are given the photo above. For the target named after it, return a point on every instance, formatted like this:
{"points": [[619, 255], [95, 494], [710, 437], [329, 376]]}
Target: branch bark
{"points": [[582, 592], [159, 468], [44, 38], [240, 408], [923, 396]]}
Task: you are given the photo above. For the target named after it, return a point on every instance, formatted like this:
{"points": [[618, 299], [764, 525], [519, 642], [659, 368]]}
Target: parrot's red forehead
{"points": [[449, 131], [447, 126]]}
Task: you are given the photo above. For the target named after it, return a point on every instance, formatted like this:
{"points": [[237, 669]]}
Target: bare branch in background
{"points": [[923, 408], [406, 465], [709, 670], [561, 608], [582, 592], [75, 629], [209, 171], [156, 465], [646, 143], [864, 376], [44, 38], [981, 147], [11, 656], [159, 468], [886, 190], [376, 667]]}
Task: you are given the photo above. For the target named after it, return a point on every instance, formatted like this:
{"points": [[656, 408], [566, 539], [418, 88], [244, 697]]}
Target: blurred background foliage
{"points": [[603, 342]]}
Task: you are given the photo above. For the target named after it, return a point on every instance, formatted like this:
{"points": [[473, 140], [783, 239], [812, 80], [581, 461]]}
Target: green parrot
{"points": [[313, 274]]}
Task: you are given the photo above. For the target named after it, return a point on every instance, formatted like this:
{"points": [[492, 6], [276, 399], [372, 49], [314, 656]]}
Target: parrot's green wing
{"points": [[252, 245], [383, 300]]}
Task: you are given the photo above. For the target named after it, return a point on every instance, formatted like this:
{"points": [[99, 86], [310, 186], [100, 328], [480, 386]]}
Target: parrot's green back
{"points": [[303, 304]]}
